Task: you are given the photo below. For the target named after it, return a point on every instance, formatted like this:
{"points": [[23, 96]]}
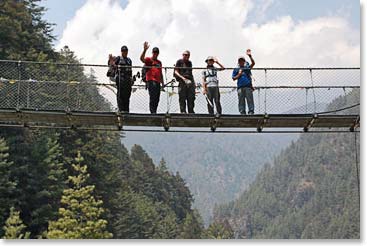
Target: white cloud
{"points": [[208, 27], [211, 27]]}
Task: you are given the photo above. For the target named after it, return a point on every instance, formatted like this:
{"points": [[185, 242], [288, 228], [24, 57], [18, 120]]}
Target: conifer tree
{"points": [[219, 230], [191, 228], [80, 214], [14, 227], [7, 186]]}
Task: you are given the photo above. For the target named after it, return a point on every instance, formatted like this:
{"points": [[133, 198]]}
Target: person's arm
{"points": [[111, 60], [205, 90], [177, 73], [142, 56], [205, 87], [220, 65], [162, 80], [252, 59], [237, 74]]}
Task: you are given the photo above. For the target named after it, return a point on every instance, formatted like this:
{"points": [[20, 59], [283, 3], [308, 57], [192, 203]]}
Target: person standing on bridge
{"points": [[154, 76], [210, 85], [123, 78], [244, 84], [186, 86]]}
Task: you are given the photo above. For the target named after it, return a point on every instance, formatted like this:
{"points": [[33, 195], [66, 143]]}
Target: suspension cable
{"points": [[340, 109], [193, 68], [357, 168], [266, 84], [313, 91]]}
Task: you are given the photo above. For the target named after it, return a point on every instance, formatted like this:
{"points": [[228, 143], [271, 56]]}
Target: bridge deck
{"points": [[119, 121]]}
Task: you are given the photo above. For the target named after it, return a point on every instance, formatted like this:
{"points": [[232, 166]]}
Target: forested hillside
{"points": [[310, 191], [216, 167], [79, 184]]}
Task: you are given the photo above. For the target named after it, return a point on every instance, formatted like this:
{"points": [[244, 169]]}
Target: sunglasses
{"points": [[186, 54]]}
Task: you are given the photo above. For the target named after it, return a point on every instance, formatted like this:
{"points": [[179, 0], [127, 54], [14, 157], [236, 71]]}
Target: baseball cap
{"points": [[241, 58], [124, 48], [186, 52], [209, 58], [155, 50]]}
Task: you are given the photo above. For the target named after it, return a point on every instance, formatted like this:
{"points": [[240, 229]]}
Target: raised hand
{"points": [[111, 59], [146, 45], [248, 52]]}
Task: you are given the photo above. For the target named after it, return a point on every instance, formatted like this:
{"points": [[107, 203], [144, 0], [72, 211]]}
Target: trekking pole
{"points": [[198, 85], [167, 94], [209, 102], [171, 82]]}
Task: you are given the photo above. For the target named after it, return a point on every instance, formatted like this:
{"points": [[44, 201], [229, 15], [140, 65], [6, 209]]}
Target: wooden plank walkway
{"points": [[116, 121]]}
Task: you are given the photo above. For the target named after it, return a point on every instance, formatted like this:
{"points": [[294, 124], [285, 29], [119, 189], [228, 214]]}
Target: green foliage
{"points": [[140, 200], [191, 228], [219, 230], [309, 192], [7, 185], [212, 178], [80, 214], [14, 227], [153, 203], [23, 33]]}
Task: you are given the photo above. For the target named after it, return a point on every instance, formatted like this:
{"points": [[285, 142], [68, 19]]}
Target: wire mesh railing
{"points": [[78, 87]]}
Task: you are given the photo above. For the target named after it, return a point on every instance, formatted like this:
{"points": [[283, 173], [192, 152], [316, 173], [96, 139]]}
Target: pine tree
{"points": [[50, 175], [125, 222], [191, 228], [80, 215], [23, 33], [14, 227], [7, 186], [219, 231], [56, 179]]}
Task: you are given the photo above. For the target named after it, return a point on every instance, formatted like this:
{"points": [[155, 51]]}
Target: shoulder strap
{"points": [[129, 61]]}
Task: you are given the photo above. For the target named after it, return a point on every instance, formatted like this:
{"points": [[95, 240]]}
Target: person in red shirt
{"points": [[154, 76]]}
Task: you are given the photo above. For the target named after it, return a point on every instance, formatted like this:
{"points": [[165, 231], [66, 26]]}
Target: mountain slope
{"points": [[310, 191], [216, 167]]}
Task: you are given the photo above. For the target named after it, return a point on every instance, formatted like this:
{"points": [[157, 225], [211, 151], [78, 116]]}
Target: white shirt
{"points": [[210, 77]]}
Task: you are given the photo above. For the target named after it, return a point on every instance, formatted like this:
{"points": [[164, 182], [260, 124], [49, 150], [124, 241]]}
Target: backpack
{"points": [[111, 72], [144, 71]]}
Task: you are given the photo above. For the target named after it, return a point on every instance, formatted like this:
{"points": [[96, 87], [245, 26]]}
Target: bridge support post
{"points": [[355, 124], [166, 122], [70, 118], [120, 121], [262, 123], [214, 123], [310, 123]]}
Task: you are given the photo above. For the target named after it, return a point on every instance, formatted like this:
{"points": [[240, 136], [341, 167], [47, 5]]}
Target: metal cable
{"points": [[168, 67], [338, 110], [313, 91], [357, 168], [177, 131]]}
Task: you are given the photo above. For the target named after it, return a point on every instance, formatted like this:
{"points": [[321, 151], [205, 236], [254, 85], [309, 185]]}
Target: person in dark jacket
{"points": [[186, 86], [123, 78]]}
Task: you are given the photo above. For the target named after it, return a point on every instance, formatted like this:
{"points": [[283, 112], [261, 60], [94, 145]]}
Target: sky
{"points": [[281, 33], [59, 12]]}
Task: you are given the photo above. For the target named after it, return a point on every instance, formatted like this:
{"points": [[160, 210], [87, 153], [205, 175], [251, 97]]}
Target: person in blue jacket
{"points": [[244, 84]]}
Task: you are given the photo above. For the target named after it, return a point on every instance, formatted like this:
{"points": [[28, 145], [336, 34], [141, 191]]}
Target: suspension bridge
{"points": [[80, 96]]}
